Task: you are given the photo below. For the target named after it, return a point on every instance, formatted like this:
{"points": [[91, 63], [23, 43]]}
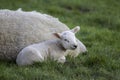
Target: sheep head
{"points": [[68, 39]]}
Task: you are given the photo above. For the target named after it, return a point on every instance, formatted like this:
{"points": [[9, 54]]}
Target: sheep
{"points": [[54, 49], [19, 29]]}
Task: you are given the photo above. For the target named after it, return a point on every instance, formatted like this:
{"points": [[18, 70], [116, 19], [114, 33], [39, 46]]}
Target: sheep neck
{"points": [[60, 45]]}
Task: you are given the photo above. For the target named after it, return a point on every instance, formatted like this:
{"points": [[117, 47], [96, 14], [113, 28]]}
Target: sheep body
{"points": [[54, 49], [19, 29], [40, 52]]}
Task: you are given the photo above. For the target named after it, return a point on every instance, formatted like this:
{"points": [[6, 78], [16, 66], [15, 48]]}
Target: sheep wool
{"points": [[19, 29]]}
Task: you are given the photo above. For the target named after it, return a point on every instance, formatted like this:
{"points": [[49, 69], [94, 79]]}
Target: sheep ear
{"points": [[58, 35], [76, 29]]}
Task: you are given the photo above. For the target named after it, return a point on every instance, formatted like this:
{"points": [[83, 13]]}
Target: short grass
{"points": [[100, 32]]}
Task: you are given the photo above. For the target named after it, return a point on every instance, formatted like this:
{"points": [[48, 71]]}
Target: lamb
{"points": [[19, 29], [55, 49]]}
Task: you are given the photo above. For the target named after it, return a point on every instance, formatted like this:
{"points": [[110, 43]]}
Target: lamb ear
{"points": [[58, 35], [76, 29]]}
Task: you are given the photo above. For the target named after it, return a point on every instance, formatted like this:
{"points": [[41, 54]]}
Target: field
{"points": [[100, 32]]}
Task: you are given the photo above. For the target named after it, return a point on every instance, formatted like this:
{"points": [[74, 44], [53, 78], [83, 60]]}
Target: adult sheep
{"points": [[19, 29]]}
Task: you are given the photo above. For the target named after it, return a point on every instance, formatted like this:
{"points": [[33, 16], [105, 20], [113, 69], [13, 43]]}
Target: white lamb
{"points": [[54, 49]]}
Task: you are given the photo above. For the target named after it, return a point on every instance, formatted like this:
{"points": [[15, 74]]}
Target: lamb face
{"points": [[68, 39]]}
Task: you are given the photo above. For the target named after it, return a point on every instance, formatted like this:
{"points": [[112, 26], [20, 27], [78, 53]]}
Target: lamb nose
{"points": [[75, 46]]}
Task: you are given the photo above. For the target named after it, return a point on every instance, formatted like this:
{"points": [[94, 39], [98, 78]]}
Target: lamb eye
{"points": [[66, 40]]}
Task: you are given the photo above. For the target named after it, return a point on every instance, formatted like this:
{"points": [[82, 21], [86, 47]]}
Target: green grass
{"points": [[100, 32]]}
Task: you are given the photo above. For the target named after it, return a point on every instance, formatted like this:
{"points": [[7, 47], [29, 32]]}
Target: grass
{"points": [[100, 32]]}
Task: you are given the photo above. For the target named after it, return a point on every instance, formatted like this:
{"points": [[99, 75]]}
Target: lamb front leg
{"points": [[61, 59]]}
